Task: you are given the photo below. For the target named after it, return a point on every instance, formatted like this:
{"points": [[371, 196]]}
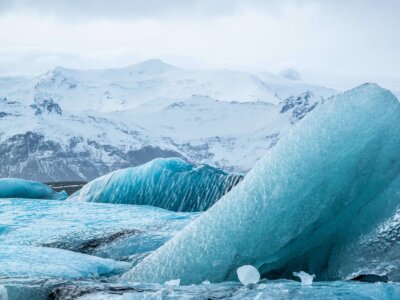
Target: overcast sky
{"points": [[335, 43]]}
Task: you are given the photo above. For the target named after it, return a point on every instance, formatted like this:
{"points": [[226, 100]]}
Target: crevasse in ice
{"points": [[307, 196], [169, 183], [21, 188]]}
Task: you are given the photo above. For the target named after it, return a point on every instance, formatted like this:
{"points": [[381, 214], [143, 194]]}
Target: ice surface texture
{"points": [[297, 199], [106, 230], [169, 183], [20, 188], [247, 274], [41, 262]]}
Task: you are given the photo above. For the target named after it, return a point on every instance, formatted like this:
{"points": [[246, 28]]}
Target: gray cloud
{"points": [[120, 8], [338, 43]]}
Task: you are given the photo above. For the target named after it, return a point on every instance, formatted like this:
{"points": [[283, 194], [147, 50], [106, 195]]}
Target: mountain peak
{"points": [[290, 74], [152, 65]]}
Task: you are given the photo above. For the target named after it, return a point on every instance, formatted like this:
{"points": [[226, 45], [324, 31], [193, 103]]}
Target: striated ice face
{"points": [[247, 274], [169, 183], [308, 190]]}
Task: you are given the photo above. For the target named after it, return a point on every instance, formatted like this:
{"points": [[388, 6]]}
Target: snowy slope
{"points": [[125, 88], [79, 124]]}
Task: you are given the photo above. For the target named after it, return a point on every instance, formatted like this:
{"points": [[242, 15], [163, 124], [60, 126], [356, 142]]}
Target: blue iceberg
{"points": [[316, 191], [169, 183], [42, 262], [21, 188]]}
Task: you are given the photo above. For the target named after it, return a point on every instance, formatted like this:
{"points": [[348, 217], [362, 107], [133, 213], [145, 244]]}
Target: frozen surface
{"points": [[169, 183], [306, 191], [20, 188], [248, 274], [105, 230], [30, 269], [41, 262], [377, 248]]}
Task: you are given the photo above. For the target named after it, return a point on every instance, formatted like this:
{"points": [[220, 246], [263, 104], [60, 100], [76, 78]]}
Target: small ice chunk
{"points": [[206, 282], [173, 282], [248, 274], [306, 279]]}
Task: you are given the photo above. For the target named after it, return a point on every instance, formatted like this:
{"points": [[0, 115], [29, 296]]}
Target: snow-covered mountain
{"points": [[78, 124]]}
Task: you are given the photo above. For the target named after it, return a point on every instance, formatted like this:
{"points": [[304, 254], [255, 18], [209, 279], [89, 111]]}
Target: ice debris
{"points": [[248, 274], [306, 279]]}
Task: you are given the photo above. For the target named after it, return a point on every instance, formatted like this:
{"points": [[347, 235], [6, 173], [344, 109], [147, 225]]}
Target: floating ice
{"points": [[169, 183], [21, 188], [306, 279], [248, 274], [106, 230], [306, 191], [42, 262], [173, 282]]}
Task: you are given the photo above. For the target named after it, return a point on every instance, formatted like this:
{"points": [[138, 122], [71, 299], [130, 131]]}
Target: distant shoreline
{"points": [[69, 186]]}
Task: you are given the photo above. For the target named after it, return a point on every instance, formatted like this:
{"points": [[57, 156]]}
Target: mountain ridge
{"points": [[77, 125]]}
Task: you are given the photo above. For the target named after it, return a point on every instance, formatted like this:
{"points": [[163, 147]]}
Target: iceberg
{"points": [[169, 183], [21, 188], [42, 262], [310, 194]]}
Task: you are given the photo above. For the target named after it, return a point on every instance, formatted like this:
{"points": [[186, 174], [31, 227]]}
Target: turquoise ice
{"points": [[169, 183], [72, 225], [304, 198], [21, 188], [42, 262]]}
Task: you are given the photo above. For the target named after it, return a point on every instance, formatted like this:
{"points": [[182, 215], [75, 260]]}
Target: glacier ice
{"points": [[105, 230], [248, 274], [21, 188], [173, 282], [306, 191], [169, 183], [42, 262], [306, 279], [376, 250]]}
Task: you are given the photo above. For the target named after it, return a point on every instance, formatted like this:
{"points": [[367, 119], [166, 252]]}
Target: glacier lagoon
{"points": [[325, 201]]}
